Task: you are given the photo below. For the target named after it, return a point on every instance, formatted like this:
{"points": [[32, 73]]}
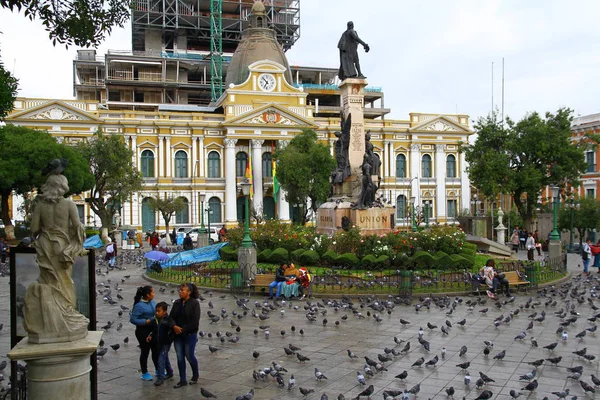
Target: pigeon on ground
{"points": [[305, 392], [367, 392], [531, 386], [500, 355], [586, 387], [302, 358], [463, 351], [404, 374], [529, 376], [485, 395], [450, 391], [418, 363], [514, 394], [207, 394], [291, 382], [351, 354], [319, 375], [464, 365], [360, 378]]}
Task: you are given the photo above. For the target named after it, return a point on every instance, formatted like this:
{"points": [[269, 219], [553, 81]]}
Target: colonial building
{"points": [[202, 152]]}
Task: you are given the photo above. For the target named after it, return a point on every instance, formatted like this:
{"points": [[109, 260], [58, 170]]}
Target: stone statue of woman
{"points": [[50, 313]]}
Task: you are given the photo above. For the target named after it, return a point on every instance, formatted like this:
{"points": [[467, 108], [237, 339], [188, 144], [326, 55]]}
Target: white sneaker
{"points": [[490, 295]]}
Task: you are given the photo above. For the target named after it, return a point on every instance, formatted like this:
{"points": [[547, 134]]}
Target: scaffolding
{"points": [[216, 49], [193, 19]]}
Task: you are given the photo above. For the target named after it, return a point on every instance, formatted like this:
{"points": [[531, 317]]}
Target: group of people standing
{"points": [[156, 329], [521, 239]]}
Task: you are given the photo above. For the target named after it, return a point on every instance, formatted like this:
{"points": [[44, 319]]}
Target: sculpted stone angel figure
{"points": [[50, 313]]}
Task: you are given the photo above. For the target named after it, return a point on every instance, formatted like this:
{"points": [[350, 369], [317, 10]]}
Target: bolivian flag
{"points": [[248, 175], [274, 168]]}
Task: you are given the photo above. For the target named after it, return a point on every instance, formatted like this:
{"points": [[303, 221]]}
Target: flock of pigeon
{"points": [[568, 309]]}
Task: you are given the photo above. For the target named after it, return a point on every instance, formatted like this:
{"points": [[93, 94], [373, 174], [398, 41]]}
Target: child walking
{"points": [[161, 338]]}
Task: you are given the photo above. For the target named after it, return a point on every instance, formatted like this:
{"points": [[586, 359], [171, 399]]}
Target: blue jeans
{"points": [[273, 285], [164, 365], [184, 347], [586, 264]]}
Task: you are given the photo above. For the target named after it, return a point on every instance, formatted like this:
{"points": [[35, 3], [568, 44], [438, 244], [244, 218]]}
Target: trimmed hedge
{"points": [[295, 255], [348, 260], [279, 255], [263, 256], [369, 261], [309, 257], [330, 257], [228, 253]]}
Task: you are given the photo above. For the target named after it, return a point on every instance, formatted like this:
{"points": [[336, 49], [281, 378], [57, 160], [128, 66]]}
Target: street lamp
{"points": [[572, 205], [247, 241], [202, 198], [412, 214], [426, 204], [555, 235]]}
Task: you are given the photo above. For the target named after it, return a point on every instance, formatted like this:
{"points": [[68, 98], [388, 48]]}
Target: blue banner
{"points": [[93, 242]]}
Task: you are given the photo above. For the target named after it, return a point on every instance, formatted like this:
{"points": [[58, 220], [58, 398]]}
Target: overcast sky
{"points": [[429, 56]]}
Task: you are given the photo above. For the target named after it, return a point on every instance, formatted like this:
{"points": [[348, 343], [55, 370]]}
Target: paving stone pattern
{"points": [[228, 372]]}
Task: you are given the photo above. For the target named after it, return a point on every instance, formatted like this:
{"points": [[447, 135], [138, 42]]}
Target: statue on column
{"points": [[342, 170], [50, 313], [348, 46], [373, 159]]}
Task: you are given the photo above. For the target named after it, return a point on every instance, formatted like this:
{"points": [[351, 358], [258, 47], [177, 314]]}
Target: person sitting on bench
{"points": [[493, 279]]}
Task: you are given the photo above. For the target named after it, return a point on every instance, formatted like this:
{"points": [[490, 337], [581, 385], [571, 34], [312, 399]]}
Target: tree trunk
{"points": [[167, 219], [9, 229]]}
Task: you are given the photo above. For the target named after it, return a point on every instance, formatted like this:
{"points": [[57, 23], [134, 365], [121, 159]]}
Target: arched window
{"points": [[401, 166], [181, 164], [451, 166], [241, 161], [401, 207], [267, 165], [147, 164], [214, 165], [214, 207], [183, 216], [426, 165]]}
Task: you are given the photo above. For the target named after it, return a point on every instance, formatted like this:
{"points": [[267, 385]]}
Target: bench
{"points": [[514, 279], [262, 281]]}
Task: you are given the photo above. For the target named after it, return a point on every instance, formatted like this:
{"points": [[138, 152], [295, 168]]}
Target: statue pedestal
{"points": [[371, 221], [554, 249], [501, 234], [202, 240], [58, 370]]}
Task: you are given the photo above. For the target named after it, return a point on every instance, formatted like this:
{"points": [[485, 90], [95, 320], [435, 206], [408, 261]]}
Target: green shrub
{"points": [[443, 260], [228, 253], [461, 261], [348, 260], [469, 249], [329, 258], [423, 259], [295, 255], [369, 262], [91, 232], [383, 261], [279, 255], [263, 256], [309, 257]]}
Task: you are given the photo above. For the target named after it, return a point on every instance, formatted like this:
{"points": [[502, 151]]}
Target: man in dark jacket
{"points": [[279, 279]]}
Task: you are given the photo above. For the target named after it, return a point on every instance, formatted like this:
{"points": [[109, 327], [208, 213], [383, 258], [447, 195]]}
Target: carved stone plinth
{"points": [[371, 221], [58, 370]]}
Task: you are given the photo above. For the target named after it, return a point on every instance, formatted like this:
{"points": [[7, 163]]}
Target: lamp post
{"points": [[208, 212], [426, 206], [202, 198], [412, 214], [247, 241], [572, 205], [555, 235]]}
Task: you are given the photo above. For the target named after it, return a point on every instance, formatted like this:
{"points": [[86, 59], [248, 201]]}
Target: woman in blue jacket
{"points": [[142, 316]]}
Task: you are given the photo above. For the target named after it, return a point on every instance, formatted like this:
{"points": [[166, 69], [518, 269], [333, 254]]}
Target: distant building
{"points": [[186, 145], [590, 180]]}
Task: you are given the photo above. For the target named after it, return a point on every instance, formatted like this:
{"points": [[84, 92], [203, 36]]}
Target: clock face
{"points": [[266, 82]]}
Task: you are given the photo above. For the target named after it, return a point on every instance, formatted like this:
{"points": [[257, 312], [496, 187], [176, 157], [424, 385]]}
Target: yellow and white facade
{"points": [[187, 151]]}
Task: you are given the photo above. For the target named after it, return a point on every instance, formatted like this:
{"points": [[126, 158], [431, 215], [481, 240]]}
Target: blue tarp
{"points": [[93, 242], [203, 254]]}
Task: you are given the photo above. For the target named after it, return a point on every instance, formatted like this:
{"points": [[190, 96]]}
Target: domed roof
{"points": [[258, 43], [258, 7]]}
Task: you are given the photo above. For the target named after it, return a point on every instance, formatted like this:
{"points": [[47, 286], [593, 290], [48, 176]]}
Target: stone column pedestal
{"points": [[554, 249], [202, 240], [247, 263], [501, 234], [58, 370]]}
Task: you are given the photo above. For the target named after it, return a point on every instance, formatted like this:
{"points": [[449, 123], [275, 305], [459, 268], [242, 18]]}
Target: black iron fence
{"points": [[400, 282]]}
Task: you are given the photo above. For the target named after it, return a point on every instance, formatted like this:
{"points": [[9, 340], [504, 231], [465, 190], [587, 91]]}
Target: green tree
{"points": [[523, 157], [303, 170], [586, 217], [81, 22], [25, 152], [167, 206], [116, 179], [8, 91]]}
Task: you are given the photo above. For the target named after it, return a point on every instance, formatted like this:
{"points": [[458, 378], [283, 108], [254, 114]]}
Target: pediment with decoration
{"points": [[54, 111], [440, 124], [270, 115]]}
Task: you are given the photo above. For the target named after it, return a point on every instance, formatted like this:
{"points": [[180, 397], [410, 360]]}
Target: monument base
{"points": [[371, 221], [247, 262], [58, 370]]}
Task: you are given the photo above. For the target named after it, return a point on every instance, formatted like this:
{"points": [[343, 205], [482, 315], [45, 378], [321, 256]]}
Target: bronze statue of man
{"points": [[348, 45]]}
